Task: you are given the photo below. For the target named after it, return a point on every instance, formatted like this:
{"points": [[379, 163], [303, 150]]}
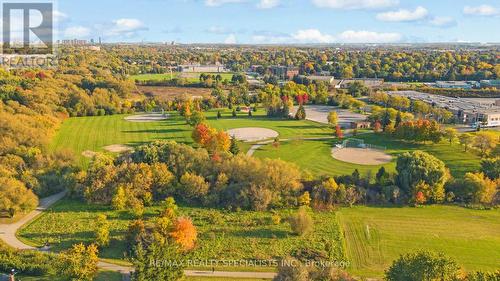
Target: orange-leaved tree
{"points": [[184, 233]]}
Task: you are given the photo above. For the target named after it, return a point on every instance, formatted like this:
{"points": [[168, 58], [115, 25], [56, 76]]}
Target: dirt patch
{"points": [[89, 154], [118, 148], [362, 156], [153, 117], [252, 134]]}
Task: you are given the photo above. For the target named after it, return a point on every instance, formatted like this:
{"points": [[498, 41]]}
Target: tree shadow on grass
{"points": [[261, 233]]}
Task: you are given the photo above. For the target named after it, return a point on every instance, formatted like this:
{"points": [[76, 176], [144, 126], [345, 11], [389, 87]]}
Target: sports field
{"points": [[315, 155], [375, 236], [83, 134]]}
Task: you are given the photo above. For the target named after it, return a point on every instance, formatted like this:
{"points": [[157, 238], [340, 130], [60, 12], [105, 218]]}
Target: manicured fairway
{"points": [[375, 236], [222, 235], [93, 133]]}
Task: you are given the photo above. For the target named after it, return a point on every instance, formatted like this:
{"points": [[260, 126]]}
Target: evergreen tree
{"points": [[234, 148], [234, 112], [301, 113], [399, 119]]}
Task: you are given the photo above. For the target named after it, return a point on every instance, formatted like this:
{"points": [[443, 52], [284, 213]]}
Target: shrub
{"points": [[301, 223], [423, 266], [102, 231]]}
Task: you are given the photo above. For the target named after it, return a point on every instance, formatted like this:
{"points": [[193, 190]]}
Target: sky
{"points": [[280, 21]]}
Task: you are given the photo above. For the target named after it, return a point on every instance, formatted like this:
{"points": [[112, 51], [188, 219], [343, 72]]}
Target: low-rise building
{"points": [[284, 72], [457, 84], [214, 68], [490, 83], [466, 111], [329, 79], [369, 82]]}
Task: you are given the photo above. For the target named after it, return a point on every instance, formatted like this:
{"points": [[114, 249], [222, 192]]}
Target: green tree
{"points": [[333, 119], [234, 148], [491, 167], [419, 167], [79, 263], [485, 142], [119, 201], [482, 188], [423, 266], [466, 140], [158, 261], [450, 134], [196, 118], [301, 113], [102, 231], [15, 197]]}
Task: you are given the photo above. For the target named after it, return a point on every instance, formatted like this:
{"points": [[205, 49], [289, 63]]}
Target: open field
{"points": [[375, 236], [92, 134], [192, 77], [221, 234], [169, 93], [315, 155]]}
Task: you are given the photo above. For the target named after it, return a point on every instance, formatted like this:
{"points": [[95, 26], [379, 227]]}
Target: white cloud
{"points": [[363, 36], [482, 10], [126, 27], [312, 36], [268, 4], [231, 39], [404, 15], [443, 21], [355, 4], [316, 36], [76, 32], [215, 3], [59, 16]]}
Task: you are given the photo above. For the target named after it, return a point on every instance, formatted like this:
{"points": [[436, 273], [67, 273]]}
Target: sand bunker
{"points": [[118, 148], [153, 117], [89, 153], [252, 134], [362, 156]]}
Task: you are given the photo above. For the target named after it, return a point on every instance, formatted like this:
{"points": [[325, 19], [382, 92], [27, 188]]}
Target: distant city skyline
{"points": [[280, 21]]}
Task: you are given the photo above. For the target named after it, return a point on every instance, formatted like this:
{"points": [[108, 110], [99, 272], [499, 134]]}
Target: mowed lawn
{"points": [[93, 133], [80, 134], [315, 155], [375, 236]]}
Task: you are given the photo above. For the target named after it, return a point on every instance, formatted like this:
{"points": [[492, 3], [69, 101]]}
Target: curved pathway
{"points": [[8, 231], [8, 235]]}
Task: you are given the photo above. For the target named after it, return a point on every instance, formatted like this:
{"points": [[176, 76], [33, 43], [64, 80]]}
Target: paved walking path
{"points": [[8, 235], [8, 231]]}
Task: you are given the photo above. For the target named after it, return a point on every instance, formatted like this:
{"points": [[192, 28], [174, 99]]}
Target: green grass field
{"points": [[221, 234], [93, 133], [375, 236], [315, 155], [193, 77]]}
